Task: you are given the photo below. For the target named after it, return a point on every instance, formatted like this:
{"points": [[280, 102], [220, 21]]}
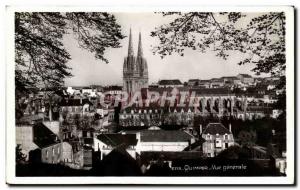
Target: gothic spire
{"points": [[130, 47], [140, 49]]}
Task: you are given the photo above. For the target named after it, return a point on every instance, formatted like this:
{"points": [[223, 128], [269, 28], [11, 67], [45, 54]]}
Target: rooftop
{"points": [[170, 82], [74, 102], [165, 136], [116, 139], [216, 128]]}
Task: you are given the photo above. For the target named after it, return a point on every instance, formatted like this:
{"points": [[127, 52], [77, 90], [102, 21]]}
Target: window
{"points": [[226, 137], [46, 153], [218, 143], [52, 151], [58, 150], [208, 136]]}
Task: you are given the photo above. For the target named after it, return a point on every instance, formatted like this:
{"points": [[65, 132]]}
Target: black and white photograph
{"points": [[125, 96]]}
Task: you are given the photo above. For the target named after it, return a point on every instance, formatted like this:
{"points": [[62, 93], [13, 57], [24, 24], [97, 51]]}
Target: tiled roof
{"points": [[116, 139], [216, 128], [194, 80], [43, 137], [74, 102], [107, 88], [230, 78], [170, 82], [246, 75], [164, 136]]}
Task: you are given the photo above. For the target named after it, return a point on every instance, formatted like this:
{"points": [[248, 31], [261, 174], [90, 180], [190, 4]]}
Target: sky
{"points": [[87, 70]]}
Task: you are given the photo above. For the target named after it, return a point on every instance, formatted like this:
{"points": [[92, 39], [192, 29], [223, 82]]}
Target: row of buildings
{"points": [[74, 128]]}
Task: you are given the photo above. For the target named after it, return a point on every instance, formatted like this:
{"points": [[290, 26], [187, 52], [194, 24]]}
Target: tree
{"points": [[20, 156], [40, 54], [261, 38], [247, 138]]}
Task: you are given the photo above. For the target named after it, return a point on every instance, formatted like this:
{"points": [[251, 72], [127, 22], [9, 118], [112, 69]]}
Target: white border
{"points": [[10, 103]]}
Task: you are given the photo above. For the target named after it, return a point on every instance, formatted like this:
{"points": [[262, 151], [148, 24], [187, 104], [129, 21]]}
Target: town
{"points": [[155, 129]]}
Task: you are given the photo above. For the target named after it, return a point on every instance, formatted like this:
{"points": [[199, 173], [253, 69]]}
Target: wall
{"points": [[53, 126], [67, 152], [24, 137], [209, 147], [161, 146], [51, 154]]}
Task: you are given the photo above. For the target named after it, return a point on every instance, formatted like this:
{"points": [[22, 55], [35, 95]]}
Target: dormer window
{"points": [[226, 136], [208, 136]]}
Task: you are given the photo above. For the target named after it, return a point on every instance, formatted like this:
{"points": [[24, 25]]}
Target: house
{"points": [[31, 133], [170, 83], [136, 116], [24, 138], [193, 82], [105, 143], [113, 90], [155, 139], [231, 80], [276, 113], [57, 153], [217, 138], [75, 106], [216, 83], [245, 78]]}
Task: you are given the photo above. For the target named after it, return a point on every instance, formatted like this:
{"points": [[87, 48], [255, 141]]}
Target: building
{"points": [[75, 106], [216, 83], [135, 69], [245, 78], [155, 139], [163, 140], [105, 143], [112, 90], [231, 80], [175, 83], [57, 153], [217, 138], [204, 83], [193, 82], [139, 117]]}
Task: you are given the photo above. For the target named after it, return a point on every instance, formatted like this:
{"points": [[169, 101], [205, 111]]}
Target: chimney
{"points": [[230, 127], [200, 129]]}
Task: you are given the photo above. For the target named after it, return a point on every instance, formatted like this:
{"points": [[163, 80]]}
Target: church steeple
{"points": [[130, 47], [140, 48]]}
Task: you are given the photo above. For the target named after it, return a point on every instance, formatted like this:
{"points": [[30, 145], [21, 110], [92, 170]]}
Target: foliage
{"points": [[262, 38], [247, 138], [20, 156], [40, 53]]}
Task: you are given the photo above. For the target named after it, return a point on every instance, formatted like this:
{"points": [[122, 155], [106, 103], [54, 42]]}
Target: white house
{"points": [[217, 138], [162, 140]]}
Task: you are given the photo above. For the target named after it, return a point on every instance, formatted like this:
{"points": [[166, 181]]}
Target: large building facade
{"points": [[135, 69]]}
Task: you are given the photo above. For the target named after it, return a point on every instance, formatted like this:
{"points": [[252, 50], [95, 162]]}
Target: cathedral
{"points": [[135, 69]]}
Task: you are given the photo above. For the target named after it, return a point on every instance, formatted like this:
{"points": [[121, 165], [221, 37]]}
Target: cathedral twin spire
{"points": [[130, 46], [135, 70]]}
